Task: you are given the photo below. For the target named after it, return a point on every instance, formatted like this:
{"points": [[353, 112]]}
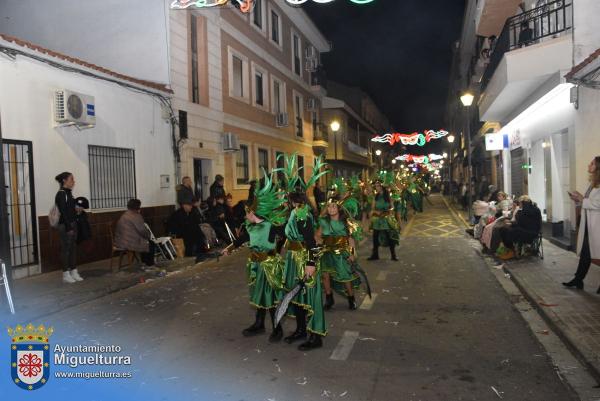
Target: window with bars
{"points": [[263, 160], [242, 166], [112, 176]]}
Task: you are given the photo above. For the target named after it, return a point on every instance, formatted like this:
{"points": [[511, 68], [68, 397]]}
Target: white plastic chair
{"points": [[4, 281], [163, 244]]}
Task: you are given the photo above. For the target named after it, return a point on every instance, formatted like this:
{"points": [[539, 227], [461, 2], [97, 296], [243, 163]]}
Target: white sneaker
{"points": [[75, 275], [67, 278]]}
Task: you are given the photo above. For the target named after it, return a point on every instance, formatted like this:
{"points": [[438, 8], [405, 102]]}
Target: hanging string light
{"points": [[245, 6], [415, 138]]}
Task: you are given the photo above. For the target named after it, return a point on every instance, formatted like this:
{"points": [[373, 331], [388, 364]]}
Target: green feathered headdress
{"points": [[385, 177], [268, 201], [291, 173]]}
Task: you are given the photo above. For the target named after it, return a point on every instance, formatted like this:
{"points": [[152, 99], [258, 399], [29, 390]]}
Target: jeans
{"points": [[585, 259], [68, 247]]}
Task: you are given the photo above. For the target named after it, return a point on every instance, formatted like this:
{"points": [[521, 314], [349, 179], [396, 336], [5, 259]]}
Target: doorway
{"points": [[20, 202], [202, 169]]}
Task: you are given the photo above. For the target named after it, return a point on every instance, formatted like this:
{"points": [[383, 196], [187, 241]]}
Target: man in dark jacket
{"points": [[185, 192], [185, 223], [217, 189]]}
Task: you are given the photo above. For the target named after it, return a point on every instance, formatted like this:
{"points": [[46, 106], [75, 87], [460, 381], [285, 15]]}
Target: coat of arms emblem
{"points": [[30, 355]]}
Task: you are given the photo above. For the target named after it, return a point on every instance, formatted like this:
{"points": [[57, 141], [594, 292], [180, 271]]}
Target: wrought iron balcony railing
{"points": [[533, 26]]}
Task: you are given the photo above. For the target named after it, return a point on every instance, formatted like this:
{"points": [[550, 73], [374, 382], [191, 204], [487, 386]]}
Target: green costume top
{"points": [[298, 215], [332, 228], [382, 214], [259, 237]]}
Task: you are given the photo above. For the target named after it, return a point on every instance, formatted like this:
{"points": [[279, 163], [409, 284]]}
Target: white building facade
{"points": [[551, 124], [125, 153]]}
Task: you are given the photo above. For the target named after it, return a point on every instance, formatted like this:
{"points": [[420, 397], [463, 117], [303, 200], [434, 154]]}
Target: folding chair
{"points": [[164, 245], [4, 281]]}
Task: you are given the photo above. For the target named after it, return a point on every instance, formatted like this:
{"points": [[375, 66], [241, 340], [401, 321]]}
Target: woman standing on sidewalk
{"points": [[588, 239], [67, 226]]}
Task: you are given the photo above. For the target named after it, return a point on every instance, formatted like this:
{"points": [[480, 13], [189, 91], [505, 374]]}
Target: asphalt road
{"points": [[440, 327]]}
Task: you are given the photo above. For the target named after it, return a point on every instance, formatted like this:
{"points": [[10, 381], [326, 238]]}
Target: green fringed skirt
{"points": [[340, 270], [265, 281], [310, 298]]}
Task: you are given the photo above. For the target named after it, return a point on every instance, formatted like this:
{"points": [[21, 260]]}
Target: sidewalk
{"points": [[573, 315], [44, 294]]}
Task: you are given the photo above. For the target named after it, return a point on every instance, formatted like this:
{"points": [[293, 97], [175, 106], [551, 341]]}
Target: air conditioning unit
{"points": [[311, 53], [312, 104], [230, 142], [281, 120], [311, 65], [72, 108]]}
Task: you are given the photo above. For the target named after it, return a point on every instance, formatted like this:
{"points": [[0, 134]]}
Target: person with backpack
{"points": [[66, 224]]}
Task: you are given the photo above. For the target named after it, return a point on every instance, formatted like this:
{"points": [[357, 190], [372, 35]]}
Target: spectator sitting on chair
{"points": [[131, 233], [185, 223], [217, 219], [185, 192], [231, 217], [525, 229]]}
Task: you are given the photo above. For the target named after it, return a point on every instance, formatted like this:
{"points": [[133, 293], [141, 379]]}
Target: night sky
{"points": [[398, 51]]}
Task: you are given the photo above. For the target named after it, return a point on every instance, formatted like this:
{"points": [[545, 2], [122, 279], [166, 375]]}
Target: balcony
{"points": [[320, 138], [533, 48], [492, 14]]}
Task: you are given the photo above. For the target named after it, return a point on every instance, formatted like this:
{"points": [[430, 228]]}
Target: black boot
{"points": [[574, 283], [300, 333], [314, 341], [277, 333], [259, 324], [393, 252], [374, 254], [329, 302], [351, 302], [598, 291]]}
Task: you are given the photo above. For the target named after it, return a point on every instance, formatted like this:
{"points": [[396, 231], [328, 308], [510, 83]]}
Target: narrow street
{"points": [[439, 327]]}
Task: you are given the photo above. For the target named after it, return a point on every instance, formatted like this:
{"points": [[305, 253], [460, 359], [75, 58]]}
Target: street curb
{"points": [[120, 286], [555, 325]]}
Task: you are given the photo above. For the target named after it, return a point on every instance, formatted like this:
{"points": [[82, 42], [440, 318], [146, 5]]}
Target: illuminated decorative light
{"points": [[420, 159], [299, 2], [245, 5], [415, 138]]}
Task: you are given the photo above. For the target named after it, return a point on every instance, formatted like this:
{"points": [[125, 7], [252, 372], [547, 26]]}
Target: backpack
{"points": [[54, 214]]}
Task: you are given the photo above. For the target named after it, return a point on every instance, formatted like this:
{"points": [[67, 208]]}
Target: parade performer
{"points": [[300, 258], [383, 221], [338, 232], [265, 217]]}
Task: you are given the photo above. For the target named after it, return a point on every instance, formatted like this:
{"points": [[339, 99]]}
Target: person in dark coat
{"points": [[67, 226], [185, 223], [525, 229], [320, 196], [217, 189], [185, 192], [217, 219]]}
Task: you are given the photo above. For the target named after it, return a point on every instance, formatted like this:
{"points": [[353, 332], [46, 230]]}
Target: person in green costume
{"points": [[265, 217], [337, 232], [300, 266], [383, 222]]}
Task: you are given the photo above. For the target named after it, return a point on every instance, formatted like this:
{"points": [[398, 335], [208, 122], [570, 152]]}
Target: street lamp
{"points": [[335, 127], [467, 100], [451, 141], [378, 153], [444, 155]]}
